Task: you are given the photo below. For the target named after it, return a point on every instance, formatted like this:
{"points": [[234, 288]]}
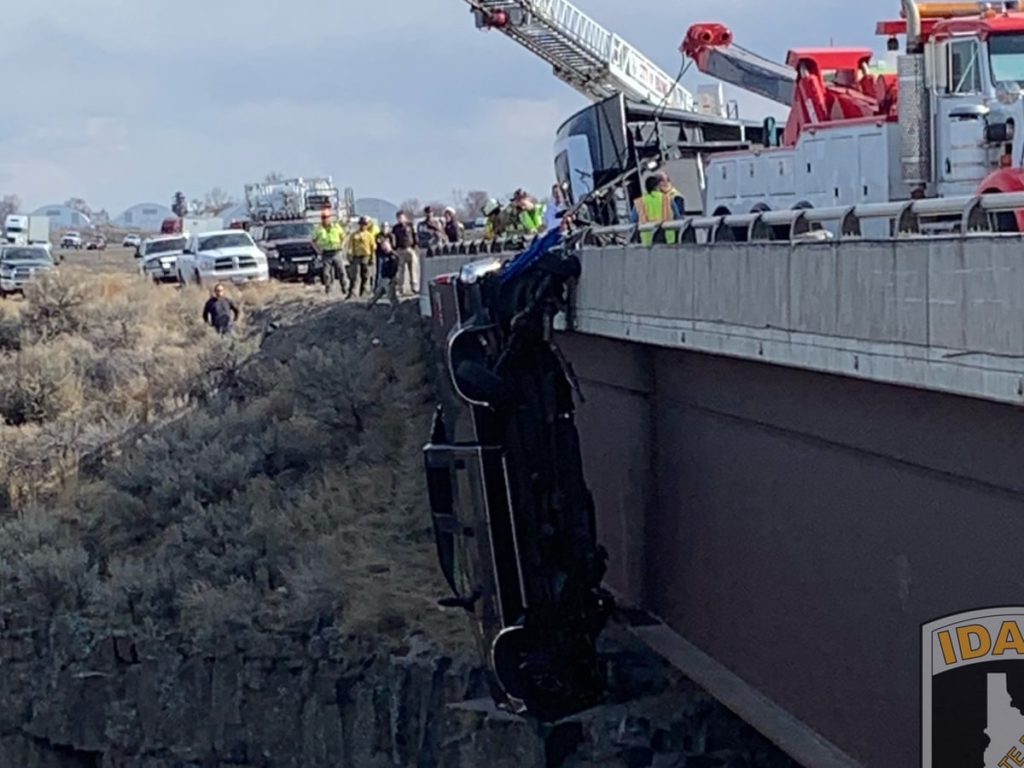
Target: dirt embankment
{"points": [[217, 552]]}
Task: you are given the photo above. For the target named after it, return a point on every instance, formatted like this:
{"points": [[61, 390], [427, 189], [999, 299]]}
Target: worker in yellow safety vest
{"points": [[328, 238], [362, 247], [661, 203], [529, 213]]}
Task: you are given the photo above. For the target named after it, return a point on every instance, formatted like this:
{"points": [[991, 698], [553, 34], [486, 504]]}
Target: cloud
{"points": [[119, 101]]}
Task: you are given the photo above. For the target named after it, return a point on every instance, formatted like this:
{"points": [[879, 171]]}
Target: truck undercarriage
{"points": [[513, 517]]}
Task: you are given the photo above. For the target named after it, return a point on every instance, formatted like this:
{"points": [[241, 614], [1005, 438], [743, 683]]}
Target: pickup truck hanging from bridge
{"points": [[513, 517]]}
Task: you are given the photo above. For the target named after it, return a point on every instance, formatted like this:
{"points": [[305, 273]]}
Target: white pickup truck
{"points": [[229, 255], [19, 266], [158, 257]]}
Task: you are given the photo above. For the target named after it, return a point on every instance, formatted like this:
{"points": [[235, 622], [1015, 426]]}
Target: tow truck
{"points": [[945, 125]]}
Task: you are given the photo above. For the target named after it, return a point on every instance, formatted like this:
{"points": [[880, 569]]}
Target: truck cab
{"points": [[289, 247], [16, 229], [975, 71]]}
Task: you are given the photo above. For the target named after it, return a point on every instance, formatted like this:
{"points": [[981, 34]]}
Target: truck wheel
{"points": [[199, 279]]}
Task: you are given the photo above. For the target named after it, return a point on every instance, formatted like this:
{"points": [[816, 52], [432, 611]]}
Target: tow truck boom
{"points": [[710, 46]]}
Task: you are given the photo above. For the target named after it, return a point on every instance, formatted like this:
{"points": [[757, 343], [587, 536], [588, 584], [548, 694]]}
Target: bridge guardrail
{"points": [[948, 216]]}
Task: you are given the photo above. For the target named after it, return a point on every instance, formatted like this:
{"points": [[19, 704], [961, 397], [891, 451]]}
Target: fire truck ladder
{"points": [[590, 58]]}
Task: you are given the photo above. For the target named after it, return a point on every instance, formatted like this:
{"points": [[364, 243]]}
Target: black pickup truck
{"points": [[290, 251]]}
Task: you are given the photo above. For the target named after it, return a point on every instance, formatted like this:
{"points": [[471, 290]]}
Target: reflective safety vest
{"points": [[363, 244], [329, 238], [531, 221], [655, 207]]}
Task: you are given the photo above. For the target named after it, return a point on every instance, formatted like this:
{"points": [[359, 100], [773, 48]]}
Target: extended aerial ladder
{"points": [[590, 58]]}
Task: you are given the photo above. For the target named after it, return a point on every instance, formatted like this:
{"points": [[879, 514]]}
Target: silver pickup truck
{"points": [[19, 266]]}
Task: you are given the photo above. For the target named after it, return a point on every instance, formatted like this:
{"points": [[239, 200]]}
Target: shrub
{"points": [[41, 383], [290, 491], [56, 307]]}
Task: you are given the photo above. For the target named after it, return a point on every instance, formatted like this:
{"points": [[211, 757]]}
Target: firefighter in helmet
{"points": [[499, 220]]}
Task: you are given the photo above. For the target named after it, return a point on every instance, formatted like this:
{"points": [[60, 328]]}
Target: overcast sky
{"points": [[124, 101]]}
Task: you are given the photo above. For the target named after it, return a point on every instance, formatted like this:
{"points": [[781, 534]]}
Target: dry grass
{"points": [[270, 483]]}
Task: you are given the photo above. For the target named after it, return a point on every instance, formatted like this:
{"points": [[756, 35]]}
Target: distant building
{"points": [[381, 210], [63, 217], [146, 217]]}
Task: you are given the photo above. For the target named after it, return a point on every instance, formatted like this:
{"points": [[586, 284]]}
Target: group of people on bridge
{"points": [[661, 202]]}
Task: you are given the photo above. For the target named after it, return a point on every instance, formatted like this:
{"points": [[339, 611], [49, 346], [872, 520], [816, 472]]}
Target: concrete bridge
{"points": [[800, 454]]}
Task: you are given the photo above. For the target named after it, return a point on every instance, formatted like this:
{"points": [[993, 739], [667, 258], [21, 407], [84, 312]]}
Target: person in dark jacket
{"points": [[404, 238], [387, 269], [384, 234], [220, 311], [453, 228]]}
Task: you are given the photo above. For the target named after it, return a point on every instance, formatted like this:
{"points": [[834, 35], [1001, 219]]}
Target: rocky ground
{"points": [[237, 568]]}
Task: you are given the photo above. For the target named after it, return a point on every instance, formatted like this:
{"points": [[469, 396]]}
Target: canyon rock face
{"points": [[78, 697]]}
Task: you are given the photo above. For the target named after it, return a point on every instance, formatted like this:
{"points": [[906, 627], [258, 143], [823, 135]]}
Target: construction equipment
{"points": [[944, 126], [593, 60]]}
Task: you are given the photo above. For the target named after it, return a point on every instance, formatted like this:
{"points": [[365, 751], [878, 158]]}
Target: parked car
{"points": [[71, 240], [229, 255], [131, 241], [158, 257], [19, 266], [97, 244]]}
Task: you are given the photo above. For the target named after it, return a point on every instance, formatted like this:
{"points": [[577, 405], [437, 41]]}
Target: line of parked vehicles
{"points": [[275, 241]]}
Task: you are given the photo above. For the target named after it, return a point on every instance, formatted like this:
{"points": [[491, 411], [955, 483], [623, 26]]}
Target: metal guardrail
{"points": [[944, 216]]}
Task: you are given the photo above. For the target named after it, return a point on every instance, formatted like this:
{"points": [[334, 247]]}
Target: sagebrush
{"points": [[269, 482]]}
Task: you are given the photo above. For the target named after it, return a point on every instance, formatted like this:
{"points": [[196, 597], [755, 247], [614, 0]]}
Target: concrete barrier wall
{"points": [[942, 314]]}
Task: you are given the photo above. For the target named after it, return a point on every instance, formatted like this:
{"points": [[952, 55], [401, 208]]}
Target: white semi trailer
{"points": [[22, 229]]}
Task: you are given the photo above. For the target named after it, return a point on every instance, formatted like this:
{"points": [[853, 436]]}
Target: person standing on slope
{"points": [[362, 246], [328, 238], [387, 272], [220, 311], [403, 236]]}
